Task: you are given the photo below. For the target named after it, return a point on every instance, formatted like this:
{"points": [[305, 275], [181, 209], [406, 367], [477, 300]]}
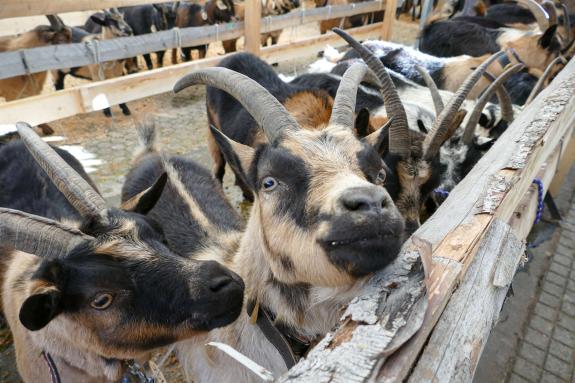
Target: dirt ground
{"points": [[106, 147]]}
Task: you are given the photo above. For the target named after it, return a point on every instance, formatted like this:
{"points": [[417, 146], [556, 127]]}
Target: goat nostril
{"points": [[355, 204], [220, 283]]}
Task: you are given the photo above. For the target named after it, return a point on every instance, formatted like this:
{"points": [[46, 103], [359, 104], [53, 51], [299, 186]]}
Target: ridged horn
{"points": [[76, 189], [435, 96], [37, 235], [505, 103], [344, 102], [538, 11], [551, 11], [399, 139], [567, 25], [435, 137], [56, 22], [268, 112], [473, 120], [541, 82]]}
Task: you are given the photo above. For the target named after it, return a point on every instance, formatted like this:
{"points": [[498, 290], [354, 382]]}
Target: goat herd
{"points": [[342, 165]]}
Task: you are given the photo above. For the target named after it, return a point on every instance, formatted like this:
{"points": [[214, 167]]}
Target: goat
{"points": [[447, 73], [450, 38], [346, 22], [320, 223], [196, 15], [30, 85], [269, 8], [89, 295], [310, 107], [144, 19], [415, 167], [193, 212], [112, 25]]}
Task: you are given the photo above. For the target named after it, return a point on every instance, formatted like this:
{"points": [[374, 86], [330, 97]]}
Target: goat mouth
{"points": [[360, 241]]}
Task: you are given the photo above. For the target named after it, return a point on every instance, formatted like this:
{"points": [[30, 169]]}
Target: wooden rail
{"points": [[21, 8], [69, 102], [471, 248], [52, 57]]}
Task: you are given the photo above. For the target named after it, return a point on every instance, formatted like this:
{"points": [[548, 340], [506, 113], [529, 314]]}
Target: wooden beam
{"points": [[388, 20], [22, 8], [253, 19], [283, 52], [52, 57], [69, 102]]}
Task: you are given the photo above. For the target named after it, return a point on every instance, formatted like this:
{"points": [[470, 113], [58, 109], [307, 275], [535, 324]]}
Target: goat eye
{"points": [[381, 176], [269, 183], [102, 301]]}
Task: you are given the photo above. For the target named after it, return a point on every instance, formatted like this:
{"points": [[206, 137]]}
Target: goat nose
{"points": [[363, 200], [220, 279]]}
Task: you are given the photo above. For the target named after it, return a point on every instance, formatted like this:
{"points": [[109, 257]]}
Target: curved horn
{"points": [[76, 189], [443, 122], [38, 235], [268, 112], [551, 11], [567, 25], [399, 139], [505, 103], [541, 82], [538, 11], [56, 22], [344, 103], [473, 120], [435, 96]]}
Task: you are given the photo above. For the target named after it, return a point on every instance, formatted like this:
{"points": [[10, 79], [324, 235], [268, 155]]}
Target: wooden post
{"points": [[389, 19], [253, 18]]}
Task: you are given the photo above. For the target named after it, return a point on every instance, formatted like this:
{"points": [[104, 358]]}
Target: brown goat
{"points": [[30, 85]]}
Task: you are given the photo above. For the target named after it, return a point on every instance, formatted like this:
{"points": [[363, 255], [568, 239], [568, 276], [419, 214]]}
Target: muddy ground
{"points": [[106, 147]]}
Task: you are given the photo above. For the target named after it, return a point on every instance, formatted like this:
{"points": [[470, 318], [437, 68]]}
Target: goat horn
{"points": [[473, 120], [268, 112], [344, 103], [77, 190], [435, 96], [538, 11], [399, 139], [567, 25], [505, 103], [435, 137], [541, 82], [551, 11], [38, 235], [56, 22]]}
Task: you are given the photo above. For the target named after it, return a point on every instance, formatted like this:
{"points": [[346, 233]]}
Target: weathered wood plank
{"points": [[253, 20], [389, 20], [21, 8], [455, 346], [52, 57]]}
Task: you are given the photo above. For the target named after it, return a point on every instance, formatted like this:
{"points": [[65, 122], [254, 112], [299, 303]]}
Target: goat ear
{"points": [[240, 157], [43, 302], [547, 38], [379, 139], [99, 19], [145, 201], [362, 123]]}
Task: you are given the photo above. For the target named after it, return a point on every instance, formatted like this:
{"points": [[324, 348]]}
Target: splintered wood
{"points": [[391, 332]]}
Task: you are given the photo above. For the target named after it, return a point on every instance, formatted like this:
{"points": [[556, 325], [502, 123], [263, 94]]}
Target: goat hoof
{"points": [[126, 112], [46, 129]]}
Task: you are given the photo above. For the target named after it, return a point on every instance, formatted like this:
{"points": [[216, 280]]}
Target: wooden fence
{"points": [[80, 99]]}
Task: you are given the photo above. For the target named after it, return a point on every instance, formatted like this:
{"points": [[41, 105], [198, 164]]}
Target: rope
{"points": [[539, 183], [94, 49], [29, 78]]}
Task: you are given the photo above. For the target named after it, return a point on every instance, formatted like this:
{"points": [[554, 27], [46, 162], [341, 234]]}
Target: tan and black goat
{"points": [[86, 295], [320, 223], [30, 85], [112, 25]]}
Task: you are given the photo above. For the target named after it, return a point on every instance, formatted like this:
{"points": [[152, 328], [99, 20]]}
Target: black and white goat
{"points": [[87, 289], [320, 223]]}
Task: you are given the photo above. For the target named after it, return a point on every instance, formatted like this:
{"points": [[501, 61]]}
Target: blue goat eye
{"points": [[269, 183]]}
